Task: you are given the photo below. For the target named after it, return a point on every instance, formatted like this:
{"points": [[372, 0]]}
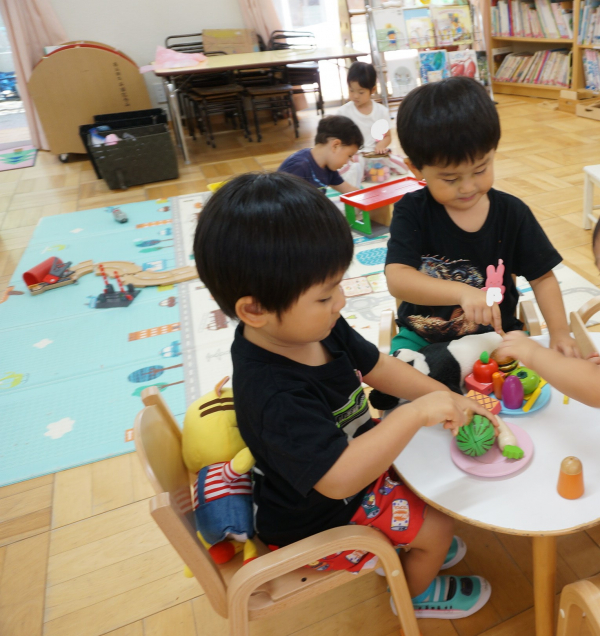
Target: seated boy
{"points": [[446, 238], [364, 112], [337, 139], [272, 251]]}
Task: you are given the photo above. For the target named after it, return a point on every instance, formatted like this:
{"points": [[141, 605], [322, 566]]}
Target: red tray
{"points": [[382, 194]]}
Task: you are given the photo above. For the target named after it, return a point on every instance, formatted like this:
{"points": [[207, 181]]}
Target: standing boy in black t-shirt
{"points": [[272, 250], [458, 236]]}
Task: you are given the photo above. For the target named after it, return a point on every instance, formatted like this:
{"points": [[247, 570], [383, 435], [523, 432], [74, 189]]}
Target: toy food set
{"points": [[479, 452], [518, 390]]}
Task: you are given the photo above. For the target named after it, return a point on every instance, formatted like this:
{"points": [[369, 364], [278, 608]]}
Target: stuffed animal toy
{"points": [[213, 447], [447, 362]]}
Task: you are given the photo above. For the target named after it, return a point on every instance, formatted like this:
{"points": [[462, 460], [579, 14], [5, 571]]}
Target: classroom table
{"points": [[261, 59], [525, 503]]}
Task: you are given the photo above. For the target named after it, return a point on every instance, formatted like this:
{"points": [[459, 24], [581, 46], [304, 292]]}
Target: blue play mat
{"points": [[71, 374]]}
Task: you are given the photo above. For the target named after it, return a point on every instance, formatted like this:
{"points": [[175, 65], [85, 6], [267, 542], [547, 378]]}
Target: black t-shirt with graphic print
{"points": [[423, 236], [297, 420]]}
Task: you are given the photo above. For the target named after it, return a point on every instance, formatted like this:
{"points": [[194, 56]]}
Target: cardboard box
{"points": [[590, 108], [230, 40]]}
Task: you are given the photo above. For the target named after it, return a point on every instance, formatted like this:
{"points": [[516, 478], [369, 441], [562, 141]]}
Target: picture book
{"points": [[434, 65], [402, 70], [483, 68], [390, 29], [452, 25], [463, 63], [419, 28]]}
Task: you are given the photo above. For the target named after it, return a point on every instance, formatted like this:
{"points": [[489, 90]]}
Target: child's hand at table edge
{"points": [[565, 344], [450, 408], [517, 345], [474, 304]]}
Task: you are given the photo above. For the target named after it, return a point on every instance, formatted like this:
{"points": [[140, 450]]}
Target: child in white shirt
{"points": [[364, 112]]}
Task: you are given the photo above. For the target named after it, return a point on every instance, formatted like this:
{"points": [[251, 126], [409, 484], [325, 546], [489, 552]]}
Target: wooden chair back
{"points": [[578, 322], [158, 445], [579, 607]]}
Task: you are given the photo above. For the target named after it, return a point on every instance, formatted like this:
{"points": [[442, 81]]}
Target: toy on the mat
{"points": [[507, 441], [375, 204], [53, 273], [481, 378], [119, 215], [213, 447], [476, 437], [109, 297], [570, 478], [487, 401], [512, 392]]}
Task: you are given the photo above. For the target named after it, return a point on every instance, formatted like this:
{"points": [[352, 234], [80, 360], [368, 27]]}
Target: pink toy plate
{"points": [[493, 463]]}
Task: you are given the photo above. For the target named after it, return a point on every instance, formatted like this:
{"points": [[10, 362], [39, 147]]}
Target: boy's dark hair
{"points": [[339, 127], [364, 74], [270, 236], [447, 123]]}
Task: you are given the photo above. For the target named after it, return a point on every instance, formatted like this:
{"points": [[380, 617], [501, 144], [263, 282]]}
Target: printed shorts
{"points": [[389, 506]]}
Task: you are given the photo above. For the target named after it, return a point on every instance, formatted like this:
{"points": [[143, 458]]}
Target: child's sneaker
{"points": [[451, 597], [456, 553]]}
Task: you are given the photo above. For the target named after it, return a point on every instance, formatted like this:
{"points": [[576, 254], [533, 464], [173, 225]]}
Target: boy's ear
{"points": [[250, 312], [411, 166], [335, 144]]}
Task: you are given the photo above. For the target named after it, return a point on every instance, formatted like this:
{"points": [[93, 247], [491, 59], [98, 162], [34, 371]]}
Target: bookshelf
{"points": [[520, 44]]}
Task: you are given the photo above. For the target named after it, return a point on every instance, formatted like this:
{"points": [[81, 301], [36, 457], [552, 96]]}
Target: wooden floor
{"points": [[80, 554]]}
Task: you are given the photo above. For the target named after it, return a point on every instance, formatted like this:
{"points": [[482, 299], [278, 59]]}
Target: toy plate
{"points": [[493, 463], [540, 403]]}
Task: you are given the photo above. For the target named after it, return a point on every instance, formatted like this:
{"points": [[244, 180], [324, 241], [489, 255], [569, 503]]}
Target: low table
{"points": [[525, 503]]}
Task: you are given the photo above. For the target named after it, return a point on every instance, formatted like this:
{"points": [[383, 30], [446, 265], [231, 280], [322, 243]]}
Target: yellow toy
{"points": [[213, 447]]}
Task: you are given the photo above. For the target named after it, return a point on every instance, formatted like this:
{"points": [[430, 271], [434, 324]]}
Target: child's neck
{"points": [[312, 354], [365, 109], [473, 219], [319, 154]]}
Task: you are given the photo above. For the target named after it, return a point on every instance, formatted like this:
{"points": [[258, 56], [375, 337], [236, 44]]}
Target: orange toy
{"points": [[488, 402], [570, 478]]}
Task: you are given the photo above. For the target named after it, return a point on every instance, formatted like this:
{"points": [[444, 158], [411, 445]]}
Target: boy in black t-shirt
{"points": [[454, 239], [272, 250]]}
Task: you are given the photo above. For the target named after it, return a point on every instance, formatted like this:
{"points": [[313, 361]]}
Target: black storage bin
{"points": [[148, 157], [116, 121]]}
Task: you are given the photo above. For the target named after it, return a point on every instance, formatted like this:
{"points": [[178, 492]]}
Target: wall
{"points": [[136, 27]]}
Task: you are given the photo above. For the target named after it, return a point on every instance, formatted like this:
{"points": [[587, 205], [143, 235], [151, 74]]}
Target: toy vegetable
{"points": [[476, 437], [529, 379], [508, 442], [512, 393], [498, 381], [484, 368]]}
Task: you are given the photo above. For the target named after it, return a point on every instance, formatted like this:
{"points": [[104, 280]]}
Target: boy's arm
{"points": [[344, 187], [382, 145], [412, 286], [369, 455], [579, 379], [547, 293]]}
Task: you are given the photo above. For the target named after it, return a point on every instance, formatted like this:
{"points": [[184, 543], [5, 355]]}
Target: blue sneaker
{"points": [[456, 553], [451, 597]]}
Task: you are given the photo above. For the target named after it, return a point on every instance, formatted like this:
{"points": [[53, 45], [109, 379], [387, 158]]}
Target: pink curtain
{"points": [[261, 16], [31, 25]]}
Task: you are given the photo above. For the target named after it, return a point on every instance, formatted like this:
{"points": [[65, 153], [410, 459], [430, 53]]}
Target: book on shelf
{"points": [[403, 72], [589, 23], [390, 29], [434, 65], [544, 68], [463, 63], [419, 28], [483, 68], [532, 19], [452, 25], [591, 69]]}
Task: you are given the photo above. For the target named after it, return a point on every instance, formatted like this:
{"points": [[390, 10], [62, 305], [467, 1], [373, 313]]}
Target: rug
{"points": [[17, 157], [71, 373]]}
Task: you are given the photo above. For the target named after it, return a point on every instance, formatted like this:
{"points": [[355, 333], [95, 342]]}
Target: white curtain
{"points": [[31, 25]]}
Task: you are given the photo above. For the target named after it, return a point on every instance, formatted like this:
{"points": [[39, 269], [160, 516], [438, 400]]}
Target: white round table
{"points": [[525, 503]]}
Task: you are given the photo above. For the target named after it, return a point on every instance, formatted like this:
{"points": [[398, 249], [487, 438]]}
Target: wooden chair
{"points": [[578, 322], [275, 580], [579, 604]]}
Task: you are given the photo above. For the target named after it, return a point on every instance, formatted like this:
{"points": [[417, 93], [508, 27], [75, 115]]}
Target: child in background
{"points": [[447, 236], [579, 379], [337, 139], [364, 112], [272, 252]]}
